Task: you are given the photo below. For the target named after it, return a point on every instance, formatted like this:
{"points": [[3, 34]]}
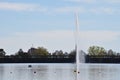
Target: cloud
{"points": [[94, 1], [57, 40], [94, 6], [11, 6], [21, 7], [83, 10], [83, 1], [102, 36], [112, 1], [103, 10], [69, 9]]}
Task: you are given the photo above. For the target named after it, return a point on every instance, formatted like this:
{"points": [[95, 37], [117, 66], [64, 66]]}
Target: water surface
{"points": [[64, 71]]}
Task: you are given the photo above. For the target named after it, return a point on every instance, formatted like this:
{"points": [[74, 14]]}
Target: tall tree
{"points": [[42, 51], [96, 50], [38, 52]]}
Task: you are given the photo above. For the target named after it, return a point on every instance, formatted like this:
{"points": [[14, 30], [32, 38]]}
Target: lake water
{"points": [[59, 71]]}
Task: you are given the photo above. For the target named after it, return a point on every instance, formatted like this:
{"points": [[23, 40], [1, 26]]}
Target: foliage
{"points": [[96, 50], [42, 52], [72, 54], [58, 54], [38, 52]]}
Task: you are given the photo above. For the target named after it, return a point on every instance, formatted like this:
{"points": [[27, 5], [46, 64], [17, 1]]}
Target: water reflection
{"points": [[103, 72], [59, 72], [36, 72], [98, 71], [1, 72]]}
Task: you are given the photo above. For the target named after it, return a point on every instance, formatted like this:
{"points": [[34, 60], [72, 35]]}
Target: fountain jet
{"points": [[76, 44]]}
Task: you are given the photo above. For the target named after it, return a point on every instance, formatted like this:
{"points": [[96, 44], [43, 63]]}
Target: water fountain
{"points": [[76, 45]]}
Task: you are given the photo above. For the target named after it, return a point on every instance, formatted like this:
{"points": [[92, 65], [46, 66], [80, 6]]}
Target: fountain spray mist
{"points": [[76, 44]]}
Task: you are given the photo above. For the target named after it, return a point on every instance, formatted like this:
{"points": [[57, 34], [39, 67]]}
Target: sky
{"points": [[51, 24]]}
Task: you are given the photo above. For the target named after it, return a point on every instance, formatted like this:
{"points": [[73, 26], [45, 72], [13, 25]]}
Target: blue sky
{"points": [[51, 24]]}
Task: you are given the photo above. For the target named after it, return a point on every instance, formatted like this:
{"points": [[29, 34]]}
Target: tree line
{"points": [[100, 51], [98, 54], [39, 52], [42, 52]]}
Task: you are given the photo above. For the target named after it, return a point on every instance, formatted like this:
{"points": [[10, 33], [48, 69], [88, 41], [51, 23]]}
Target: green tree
{"points": [[38, 52], [96, 50], [42, 51]]}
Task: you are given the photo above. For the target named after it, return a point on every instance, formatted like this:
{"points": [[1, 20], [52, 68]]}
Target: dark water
{"points": [[59, 72]]}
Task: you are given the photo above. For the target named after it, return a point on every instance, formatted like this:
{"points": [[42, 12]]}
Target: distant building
{"points": [[2, 53], [31, 52]]}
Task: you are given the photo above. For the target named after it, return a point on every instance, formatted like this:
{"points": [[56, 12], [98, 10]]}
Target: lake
{"points": [[59, 71]]}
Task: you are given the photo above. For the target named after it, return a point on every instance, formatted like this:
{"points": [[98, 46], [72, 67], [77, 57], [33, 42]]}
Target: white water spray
{"points": [[76, 45]]}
